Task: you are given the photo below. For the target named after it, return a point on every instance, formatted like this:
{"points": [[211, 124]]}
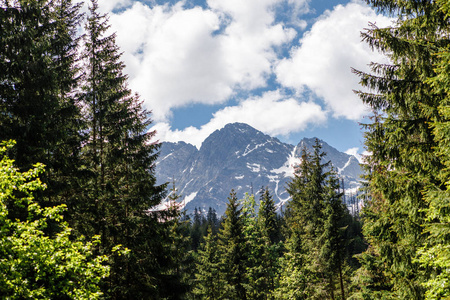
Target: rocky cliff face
{"points": [[242, 158]]}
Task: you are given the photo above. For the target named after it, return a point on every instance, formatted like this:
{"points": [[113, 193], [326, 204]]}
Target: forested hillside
{"points": [[80, 213]]}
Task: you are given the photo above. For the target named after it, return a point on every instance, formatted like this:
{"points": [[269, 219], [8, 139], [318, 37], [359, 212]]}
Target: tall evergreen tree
{"points": [[403, 161], [212, 220], [314, 256], [178, 272], [208, 278], [267, 216], [38, 55], [120, 157], [270, 236], [332, 240], [196, 230], [435, 254], [232, 250], [253, 250], [294, 278]]}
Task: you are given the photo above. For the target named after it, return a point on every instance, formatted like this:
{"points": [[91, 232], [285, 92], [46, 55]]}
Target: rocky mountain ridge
{"points": [[242, 158]]}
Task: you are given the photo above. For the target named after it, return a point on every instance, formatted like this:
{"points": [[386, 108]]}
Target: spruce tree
{"points": [[39, 109], [332, 240], [196, 229], [310, 214], [212, 220], [254, 249], [120, 158], [270, 236], [267, 216], [403, 161], [314, 258], [178, 271], [208, 278], [435, 253], [231, 244], [294, 279], [296, 276]]}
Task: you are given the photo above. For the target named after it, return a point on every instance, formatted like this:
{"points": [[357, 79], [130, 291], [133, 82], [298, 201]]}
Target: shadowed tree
{"points": [[120, 157]]}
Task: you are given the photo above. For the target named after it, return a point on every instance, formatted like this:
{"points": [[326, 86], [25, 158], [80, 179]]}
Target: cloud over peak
{"points": [[178, 55], [272, 113]]}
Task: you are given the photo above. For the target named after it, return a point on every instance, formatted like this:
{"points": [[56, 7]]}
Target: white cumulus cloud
{"points": [[272, 113], [177, 56], [323, 61]]}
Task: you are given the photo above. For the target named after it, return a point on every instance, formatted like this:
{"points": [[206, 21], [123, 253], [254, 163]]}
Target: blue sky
{"points": [[282, 66]]}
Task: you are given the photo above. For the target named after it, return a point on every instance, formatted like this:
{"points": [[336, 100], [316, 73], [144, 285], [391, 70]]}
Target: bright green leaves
{"points": [[34, 264]]}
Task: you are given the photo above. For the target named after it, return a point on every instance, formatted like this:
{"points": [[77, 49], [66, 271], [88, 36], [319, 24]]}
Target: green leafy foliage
{"points": [[34, 264]]}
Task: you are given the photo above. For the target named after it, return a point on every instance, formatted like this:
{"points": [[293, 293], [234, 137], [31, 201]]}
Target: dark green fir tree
{"points": [[38, 108], [435, 254], [196, 229], [254, 249], [333, 239], [178, 272], [268, 227], [312, 267], [121, 187]]}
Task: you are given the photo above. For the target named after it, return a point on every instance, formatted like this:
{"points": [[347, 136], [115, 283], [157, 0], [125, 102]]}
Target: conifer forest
{"points": [[78, 190]]}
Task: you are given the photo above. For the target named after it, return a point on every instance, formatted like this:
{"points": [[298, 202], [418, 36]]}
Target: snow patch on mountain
{"points": [[255, 168], [345, 166], [164, 158], [248, 151], [189, 198], [288, 168]]}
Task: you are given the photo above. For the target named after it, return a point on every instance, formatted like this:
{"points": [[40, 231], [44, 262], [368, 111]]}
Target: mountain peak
{"points": [[242, 158], [241, 127], [232, 136], [309, 142]]}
